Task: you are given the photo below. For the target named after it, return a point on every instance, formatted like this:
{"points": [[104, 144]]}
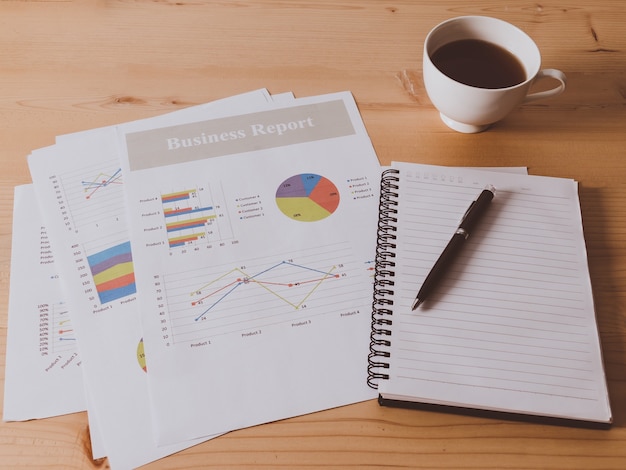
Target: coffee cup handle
{"points": [[548, 73]]}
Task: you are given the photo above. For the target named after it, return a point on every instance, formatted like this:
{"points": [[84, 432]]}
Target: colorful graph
{"points": [[307, 197], [293, 284], [102, 180], [187, 220], [91, 197], [141, 356], [264, 292], [113, 273], [62, 330]]}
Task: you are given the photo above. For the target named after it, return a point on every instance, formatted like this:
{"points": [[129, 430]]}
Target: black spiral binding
{"points": [[383, 279]]}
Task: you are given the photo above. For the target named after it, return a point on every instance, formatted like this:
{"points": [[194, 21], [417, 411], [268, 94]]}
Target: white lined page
{"points": [[512, 326]]}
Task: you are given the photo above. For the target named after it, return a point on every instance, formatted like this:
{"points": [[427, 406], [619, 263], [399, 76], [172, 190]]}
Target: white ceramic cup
{"points": [[471, 109]]}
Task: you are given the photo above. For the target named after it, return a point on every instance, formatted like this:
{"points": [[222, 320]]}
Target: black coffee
{"points": [[479, 64]]}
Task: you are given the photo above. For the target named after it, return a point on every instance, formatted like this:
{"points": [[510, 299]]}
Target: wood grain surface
{"points": [[67, 66]]}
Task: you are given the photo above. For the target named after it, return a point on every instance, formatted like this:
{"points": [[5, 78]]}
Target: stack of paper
{"points": [[199, 272]]}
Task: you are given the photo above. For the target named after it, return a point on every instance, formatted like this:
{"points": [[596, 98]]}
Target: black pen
{"points": [[465, 228]]}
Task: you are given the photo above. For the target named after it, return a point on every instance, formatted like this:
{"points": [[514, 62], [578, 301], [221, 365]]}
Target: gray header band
{"points": [[238, 134]]}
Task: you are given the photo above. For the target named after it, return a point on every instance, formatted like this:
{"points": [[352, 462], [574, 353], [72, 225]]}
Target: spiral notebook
{"points": [[511, 331]]}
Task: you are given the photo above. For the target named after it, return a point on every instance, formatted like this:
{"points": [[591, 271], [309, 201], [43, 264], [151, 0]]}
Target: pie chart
{"points": [[141, 356], [307, 197]]}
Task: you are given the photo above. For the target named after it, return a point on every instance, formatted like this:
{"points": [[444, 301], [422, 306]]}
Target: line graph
{"points": [[101, 181], [238, 278], [260, 292], [91, 198]]}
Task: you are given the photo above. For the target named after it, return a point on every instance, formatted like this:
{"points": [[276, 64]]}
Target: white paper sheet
{"points": [[43, 369], [252, 239], [79, 184]]}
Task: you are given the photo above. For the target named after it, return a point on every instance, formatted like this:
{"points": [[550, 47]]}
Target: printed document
{"points": [[252, 238]]}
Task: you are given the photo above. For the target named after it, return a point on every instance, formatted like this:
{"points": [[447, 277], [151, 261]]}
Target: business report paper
{"points": [[253, 238]]}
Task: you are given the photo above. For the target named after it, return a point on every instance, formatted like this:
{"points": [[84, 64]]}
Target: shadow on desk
{"points": [[598, 207]]}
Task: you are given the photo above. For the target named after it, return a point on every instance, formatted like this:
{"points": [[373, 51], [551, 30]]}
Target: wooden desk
{"points": [[70, 66]]}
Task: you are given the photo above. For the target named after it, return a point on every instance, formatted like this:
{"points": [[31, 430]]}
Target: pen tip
{"points": [[416, 304]]}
